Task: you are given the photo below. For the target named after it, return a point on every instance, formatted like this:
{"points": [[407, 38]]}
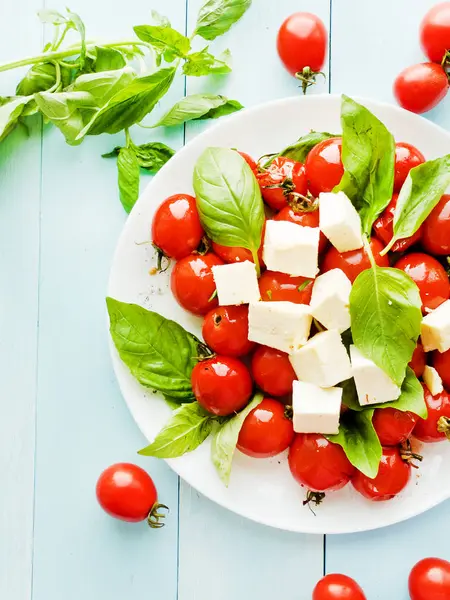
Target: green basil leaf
{"points": [[153, 156], [350, 395], [358, 438], [39, 78], [385, 311], [229, 199], [159, 19], [114, 152], [188, 427], [197, 106], [303, 146], [217, 16], [228, 108], [104, 85], [225, 440], [412, 397], [368, 155], [11, 110], [203, 63], [108, 59], [77, 24], [164, 38], [146, 341], [51, 16], [128, 178]]}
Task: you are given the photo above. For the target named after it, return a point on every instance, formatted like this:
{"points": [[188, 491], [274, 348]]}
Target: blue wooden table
{"points": [[62, 418]]}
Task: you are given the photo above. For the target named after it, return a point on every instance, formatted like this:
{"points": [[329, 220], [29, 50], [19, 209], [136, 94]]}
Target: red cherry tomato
{"points": [[338, 587], [272, 371], [435, 32], [418, 360], [176, 228], [231, 254], [430, 580], [302, 42], [426, 430], [225, 330], [421, 87], [429, 276], [436, 229], [304, 218], [324, 168], [275, 286], [393, 426], [355, 261], [249, 160], [441, 362], [406, 158], [318, 464], [127, 492], [193, 284], [393, 475], [266, 431], [222, 385], [283, 177], [384, 228]]}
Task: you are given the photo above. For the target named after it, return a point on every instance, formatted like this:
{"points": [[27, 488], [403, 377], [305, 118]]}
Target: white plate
{"points": [[263, 490]]}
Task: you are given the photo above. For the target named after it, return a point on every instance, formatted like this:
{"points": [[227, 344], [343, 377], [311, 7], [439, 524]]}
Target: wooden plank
{"points": [[20, 160]]}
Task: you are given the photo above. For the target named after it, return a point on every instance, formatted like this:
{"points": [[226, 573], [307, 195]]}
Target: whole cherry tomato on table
{"points": [[436, 228], [308, 218], [225, 330], [127, 492], [435, 32], [354, 262], [275, 286], [441, 362], [324, 168], [393, 426], [406, 158], [272, 371], [421, 87], [192, 282], [283, 178], [426, 430], [266, 431], [430, 580], [338, 587], [393, 475], [429, 276], [384, 228], [418, 360]]}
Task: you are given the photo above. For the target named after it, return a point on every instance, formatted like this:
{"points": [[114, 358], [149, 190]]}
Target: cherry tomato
{"points": [[222, 385], [302, 42], [304, 218], [225, 330], [266, 431], [384, 228], [393, 475], [426, 430], [355, 261], [338, 587], [249, 160], [435, 32], [193, 284], [421, 87], [429, 276], [324, 168], [418, 360], [272, 371], [393, 426], [436, 229], [275, 286], [318, 464], [282, 177], [127, 492], [176, 228], [406, 158], [231, 254], [441, 362], [430, 580]]}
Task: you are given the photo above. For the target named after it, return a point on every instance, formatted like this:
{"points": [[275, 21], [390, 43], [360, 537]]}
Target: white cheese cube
{"points": [[279, 325], [340, 221], [236, 283], [373, 385], [330, 300], [323, 360], [315, 409], [432, 380], [291, 248], [435, 331]]}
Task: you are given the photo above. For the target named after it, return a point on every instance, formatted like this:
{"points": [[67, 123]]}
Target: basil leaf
{"points": [[108, 59], [128, 178], [159, 353], [203, 63], [197, 106], [160, 20], [358, 438], [39, 78], [225, 440], [368, 155], [350, 395], [385, 311], [51, 16], [188, 427], [10, 111], [76, 23], [228, 108], [303, 146], [229, 199], [412, 397], [217, 16], [153, 156], [164, 38], [104, 85]]}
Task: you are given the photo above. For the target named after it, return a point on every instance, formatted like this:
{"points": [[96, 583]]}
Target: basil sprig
{"points": [[198, 106], [217, 16]]}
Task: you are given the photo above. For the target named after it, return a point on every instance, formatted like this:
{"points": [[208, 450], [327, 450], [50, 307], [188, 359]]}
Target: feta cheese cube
{"points": [[432, 380], [330, 300], [279, 325], [291, 248], [323, 360], [340, 221], [373, 385], [236, 283], [316, 409], [435, 331]]}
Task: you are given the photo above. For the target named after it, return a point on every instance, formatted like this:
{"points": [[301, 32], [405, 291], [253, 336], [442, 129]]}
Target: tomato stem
{"points": [[443, 426], [153, 519], [308, 77], [408, 455]]}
